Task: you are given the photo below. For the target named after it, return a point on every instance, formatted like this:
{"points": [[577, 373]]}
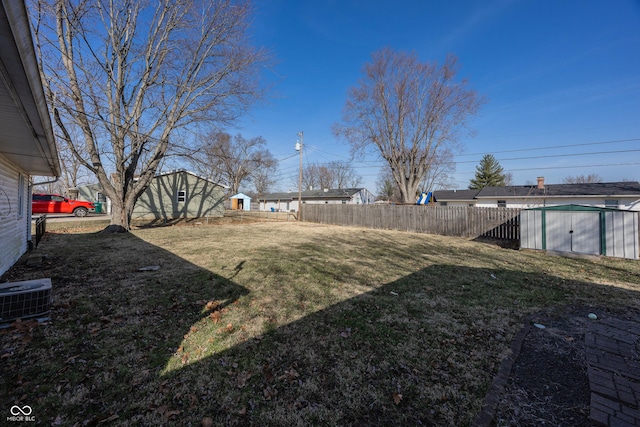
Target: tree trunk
{"points": [[120, 218]]}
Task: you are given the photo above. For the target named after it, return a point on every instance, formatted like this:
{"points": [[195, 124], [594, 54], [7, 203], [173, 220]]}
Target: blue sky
{"points": [[562, 79]]}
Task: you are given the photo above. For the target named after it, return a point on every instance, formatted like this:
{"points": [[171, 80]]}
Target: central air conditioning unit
{"points": [[19, 300]]}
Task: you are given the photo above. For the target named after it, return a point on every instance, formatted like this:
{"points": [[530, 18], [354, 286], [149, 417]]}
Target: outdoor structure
{"points": [[289, 201], [89, 193], [27, 145], [180, 194], [581, 229], [616, 195], [425, 198], [240, 202], [457, 198]]}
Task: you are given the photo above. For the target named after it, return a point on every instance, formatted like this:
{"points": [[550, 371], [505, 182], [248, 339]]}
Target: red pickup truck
{"points": [[54, 203]]}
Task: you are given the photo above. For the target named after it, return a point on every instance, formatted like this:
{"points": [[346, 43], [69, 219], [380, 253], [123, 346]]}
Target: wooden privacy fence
{"points": [[497, 223]]}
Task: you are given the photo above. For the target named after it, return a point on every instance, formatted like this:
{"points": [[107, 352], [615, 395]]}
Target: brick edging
{"points": [[490, 404]]}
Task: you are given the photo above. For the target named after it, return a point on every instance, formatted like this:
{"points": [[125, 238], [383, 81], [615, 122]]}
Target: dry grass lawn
{"points": [[283, 324]]}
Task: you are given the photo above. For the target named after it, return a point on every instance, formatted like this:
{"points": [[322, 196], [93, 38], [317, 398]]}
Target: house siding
{"points": [[535, 202], [160, 200], [359, 197], [14, 219]]}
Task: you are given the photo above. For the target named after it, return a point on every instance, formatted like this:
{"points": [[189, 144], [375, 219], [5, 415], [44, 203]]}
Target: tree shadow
{"points": [[177, 195], [112, 327], [421, 350]]}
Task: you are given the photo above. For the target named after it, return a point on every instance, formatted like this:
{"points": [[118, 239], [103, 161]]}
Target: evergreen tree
{"points": [[489, 173]]}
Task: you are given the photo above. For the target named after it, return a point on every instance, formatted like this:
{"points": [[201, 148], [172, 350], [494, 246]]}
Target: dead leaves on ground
{"points": [[17, 336], [397, 398]]}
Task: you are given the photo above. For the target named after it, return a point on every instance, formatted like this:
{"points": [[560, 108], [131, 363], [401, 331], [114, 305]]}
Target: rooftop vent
{"points": [[19, 300]]}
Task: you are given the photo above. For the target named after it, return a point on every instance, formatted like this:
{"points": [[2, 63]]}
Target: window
{"points": [[182, 196], [443, 203], [20, 195], [101, 197], [344, 202], [611, 204], [502, 203]]}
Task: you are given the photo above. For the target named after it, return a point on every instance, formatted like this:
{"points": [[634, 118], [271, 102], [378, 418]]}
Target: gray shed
{"points": [[581, 229]]}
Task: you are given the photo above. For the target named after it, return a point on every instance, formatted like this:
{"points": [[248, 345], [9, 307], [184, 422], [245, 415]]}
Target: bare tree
{"points": [[439, 173], [335, 174], [310, 177], [232, 160], [582, 179], [387, 187], [127, 75], [343, 174], [263, 174], [409, 113]]}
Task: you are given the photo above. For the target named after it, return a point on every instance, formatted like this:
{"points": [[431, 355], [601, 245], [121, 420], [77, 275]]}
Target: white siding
{"points": [[622, 234], [279, 206], [14, 220], [531, 229], [535, 202]]}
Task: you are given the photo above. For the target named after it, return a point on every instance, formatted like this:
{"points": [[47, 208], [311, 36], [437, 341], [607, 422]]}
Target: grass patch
{"points": [[283, 324]]}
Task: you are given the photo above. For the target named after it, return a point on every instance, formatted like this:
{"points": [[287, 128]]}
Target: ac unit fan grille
{"points": [[25, 299]]}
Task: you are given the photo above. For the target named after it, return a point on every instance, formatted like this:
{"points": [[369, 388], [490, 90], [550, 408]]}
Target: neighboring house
{"points": [[617, 195], [180, 194], [456, 197], [240, 202], [27, 145], [289, 201], [89, 193]]}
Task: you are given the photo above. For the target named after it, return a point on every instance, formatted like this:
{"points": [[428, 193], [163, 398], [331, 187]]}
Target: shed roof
{"points": [[578, 208], [240, 196]]}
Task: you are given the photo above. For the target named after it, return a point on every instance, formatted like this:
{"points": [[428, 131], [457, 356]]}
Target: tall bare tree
{"points": [[335, 174], [387, 187], [263, 176], [233, 160], [582, 179], [408, 113], [128, 74]]}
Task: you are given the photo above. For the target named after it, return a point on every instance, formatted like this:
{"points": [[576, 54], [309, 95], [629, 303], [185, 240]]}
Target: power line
{"points": [[553, 147]]}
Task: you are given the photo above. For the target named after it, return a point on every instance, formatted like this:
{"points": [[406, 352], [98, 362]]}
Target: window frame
{"points": [[21, 195]]}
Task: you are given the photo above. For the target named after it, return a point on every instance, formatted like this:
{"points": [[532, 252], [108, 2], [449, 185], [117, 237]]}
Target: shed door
{"points": [[573, 232]]}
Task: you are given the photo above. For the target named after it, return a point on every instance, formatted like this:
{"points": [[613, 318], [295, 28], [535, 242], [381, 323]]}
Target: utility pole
{"points": [[299, 148]]}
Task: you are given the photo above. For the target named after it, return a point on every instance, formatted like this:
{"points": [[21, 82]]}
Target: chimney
{"points": [[541, 183]]}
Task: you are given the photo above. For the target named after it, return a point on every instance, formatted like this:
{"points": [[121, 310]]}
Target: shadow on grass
{"points": [[421, 350], [112, 329], [155, 347]]}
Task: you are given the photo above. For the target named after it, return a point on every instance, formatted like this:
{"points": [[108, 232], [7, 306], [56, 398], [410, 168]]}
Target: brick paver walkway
{"points": [[613, 348]]}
